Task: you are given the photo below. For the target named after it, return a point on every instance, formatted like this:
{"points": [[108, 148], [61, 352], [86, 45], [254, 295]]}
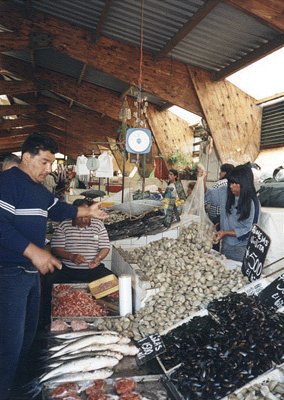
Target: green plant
{"points": [[180, 160], [189, 171]]}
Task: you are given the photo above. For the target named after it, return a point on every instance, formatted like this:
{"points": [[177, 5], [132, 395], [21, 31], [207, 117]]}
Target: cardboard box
{"points": [[104, 286]]}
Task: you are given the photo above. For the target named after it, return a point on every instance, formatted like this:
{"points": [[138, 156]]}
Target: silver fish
{"points": [[71, 356], [84, 364], [103, 373], [109, 353], [86, 341], [124, 340], [125, 349], [76, 335]]}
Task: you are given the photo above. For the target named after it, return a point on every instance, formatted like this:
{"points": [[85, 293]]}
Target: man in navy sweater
{"points": [[25, 205]]}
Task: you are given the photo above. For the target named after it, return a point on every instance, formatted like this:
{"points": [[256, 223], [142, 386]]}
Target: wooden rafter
{"points": [[188, 27], [102, 19]]}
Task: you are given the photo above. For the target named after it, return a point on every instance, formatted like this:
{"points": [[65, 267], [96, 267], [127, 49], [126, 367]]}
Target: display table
{"points": [[272, 222]]}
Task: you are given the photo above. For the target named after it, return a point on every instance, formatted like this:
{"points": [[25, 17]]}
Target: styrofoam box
{"points": [[273, 374]]}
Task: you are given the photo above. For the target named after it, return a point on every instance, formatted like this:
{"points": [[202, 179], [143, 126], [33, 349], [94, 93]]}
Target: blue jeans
{"points": [[19, 310]]}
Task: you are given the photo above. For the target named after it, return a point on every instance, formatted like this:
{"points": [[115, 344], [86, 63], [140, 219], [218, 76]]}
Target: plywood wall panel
{"points": [[233, 117]]}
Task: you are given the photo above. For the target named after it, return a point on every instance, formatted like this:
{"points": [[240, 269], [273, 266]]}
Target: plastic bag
{"points": [[194, 211]]}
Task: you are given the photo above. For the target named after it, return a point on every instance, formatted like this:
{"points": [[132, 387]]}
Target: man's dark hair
{"points": [[227, 168], [11, 159], [39, 141]]}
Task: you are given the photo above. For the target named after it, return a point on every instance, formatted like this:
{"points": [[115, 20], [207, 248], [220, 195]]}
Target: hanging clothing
{"points": [[105, 169], [92, 163], [81, 165], [81, 169]]}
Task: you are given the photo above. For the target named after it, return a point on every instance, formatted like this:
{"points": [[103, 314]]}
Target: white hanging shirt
{"points": [[92, 163], [105, 169], [81, 165]]}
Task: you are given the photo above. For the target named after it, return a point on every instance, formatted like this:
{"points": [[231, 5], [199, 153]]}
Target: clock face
{"points": [[138, 140]]}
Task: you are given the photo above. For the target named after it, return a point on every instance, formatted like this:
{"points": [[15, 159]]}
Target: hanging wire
{"points": [[141, 47]]}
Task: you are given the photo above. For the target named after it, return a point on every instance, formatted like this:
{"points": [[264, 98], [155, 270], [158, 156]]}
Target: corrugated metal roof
{"points": [[82, 13], [161, 21], [272, 127], [223, 37]]}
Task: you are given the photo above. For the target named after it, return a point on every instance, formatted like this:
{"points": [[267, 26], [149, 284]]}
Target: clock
{"points": [[138, 140]]}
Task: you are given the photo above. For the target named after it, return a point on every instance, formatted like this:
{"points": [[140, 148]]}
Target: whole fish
{"points": [[124, 340], [79, 344], [76, 335], [103, 373], [125, 349], [71, 356], [109, 353], [83, 364]]}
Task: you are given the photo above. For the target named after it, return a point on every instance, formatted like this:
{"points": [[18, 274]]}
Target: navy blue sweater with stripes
{"points": [[24, 208]]}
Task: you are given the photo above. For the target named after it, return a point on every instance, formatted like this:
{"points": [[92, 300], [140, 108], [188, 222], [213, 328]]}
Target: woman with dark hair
{"points": [[239, 210]]}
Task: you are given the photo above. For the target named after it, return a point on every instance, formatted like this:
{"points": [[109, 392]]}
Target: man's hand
{"points": [[78, 259], [42, 259], [95, 262], [97, 212]]}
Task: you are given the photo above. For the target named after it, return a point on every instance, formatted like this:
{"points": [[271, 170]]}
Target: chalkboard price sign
{"points": [[273, 294], [257, 248], [149, 347]]}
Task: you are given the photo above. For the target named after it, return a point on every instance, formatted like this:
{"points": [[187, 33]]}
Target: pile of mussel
{"points": [[120, 226], [239, 340]]}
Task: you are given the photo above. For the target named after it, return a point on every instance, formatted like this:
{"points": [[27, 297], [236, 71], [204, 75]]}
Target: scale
{"points": [[138, 140]]}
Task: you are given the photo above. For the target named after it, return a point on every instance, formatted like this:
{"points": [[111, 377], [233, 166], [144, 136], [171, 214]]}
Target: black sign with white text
{"points": [[273, 294], [149, 347], [257, 248]]}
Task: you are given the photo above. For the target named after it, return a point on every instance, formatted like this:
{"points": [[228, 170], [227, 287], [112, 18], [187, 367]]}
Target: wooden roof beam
{"points": [[188, 27], [102, 19], [108, 55], [79, 121], [19, 109], [73, 132], [102, 100], [15, 142], [252, 57], [14, 87]]}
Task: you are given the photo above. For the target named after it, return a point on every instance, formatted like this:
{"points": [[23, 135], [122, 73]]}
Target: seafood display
{"points": [[214, 355], [266, 390], [81, 356], [69, 301], [148, 224], [136, 388], [187, 276]]}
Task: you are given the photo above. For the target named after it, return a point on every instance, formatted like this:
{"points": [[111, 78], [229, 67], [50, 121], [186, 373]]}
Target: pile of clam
{"points": [[271, 390], [187, 276], [114, 216]]}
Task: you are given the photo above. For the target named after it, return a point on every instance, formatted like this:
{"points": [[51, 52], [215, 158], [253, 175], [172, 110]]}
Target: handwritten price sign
{"points": [[257, 248], [273, 294], [149, 347]]}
